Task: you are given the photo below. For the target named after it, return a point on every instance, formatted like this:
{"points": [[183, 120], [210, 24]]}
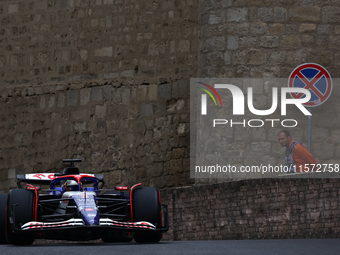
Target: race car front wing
{"points": [[103, 223], [80, 222]]}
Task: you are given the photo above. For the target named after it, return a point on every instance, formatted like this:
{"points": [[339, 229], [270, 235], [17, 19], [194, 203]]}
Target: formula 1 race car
{"points": [[75, 207]]}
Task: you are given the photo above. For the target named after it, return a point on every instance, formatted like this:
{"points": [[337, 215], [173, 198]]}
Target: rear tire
{"points": [[19, 211], [147, 207], [3, 201]]}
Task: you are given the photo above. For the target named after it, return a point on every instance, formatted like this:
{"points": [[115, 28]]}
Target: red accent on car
{"points": [[134, 186], [39, 176], [121, 188], [76, 176], [30, 187], [51, 177], [35, 203]]}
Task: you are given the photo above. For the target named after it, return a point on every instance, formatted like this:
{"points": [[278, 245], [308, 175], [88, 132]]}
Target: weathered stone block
{"points": [[103, 52], [146, 109], [160, 107], [334, 42], [276, 28], [337, 58], [260, 2], [96, 94], [214, 43], [242, 29], [265, 72], [337, 29], [142, 92], [79, 114], [100, 111], [83, 54], [173, 166], [290, 41], [256, 57], [164, 91], [246, 42], [11, 173], [307, 27], [265, 14], [305, 14], [115, 176], [237, 14], [153, 49], [125, 93], [154, 170], [291, 29], [296, 57], [277, 58], [111, 75], [128, 73], [232, 43], [61, 100], [214, 19], [153, 92], [183, 89], [80, 126], [258, 28], [72, 97], [42, 102], [12, 8], [84, 96], [280, 14], [227, 60], [330, 14], [107, 92], [226, 3], [181, 129], [322, 57], [239, 57], [325, 29], [269, 41], [51, 102]]}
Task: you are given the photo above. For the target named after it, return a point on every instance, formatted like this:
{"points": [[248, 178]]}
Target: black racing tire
{"points": [[116, 236], [19, 211], [147, 207], [3, 201], [116, 239]]}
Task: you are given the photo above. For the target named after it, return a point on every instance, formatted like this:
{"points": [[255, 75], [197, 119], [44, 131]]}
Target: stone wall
{"points": [[106, 81], [254, 209], [269, 39]]}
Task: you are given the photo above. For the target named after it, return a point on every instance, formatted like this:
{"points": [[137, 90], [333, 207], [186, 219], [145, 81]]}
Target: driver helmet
{"points": [[71, 185]]}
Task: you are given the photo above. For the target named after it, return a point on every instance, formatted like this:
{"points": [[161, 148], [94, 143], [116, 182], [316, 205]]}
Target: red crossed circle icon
{"points": [[314, 78]]}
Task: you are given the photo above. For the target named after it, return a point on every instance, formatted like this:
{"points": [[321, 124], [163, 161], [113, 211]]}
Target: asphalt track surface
{"points": [[225, 247]]}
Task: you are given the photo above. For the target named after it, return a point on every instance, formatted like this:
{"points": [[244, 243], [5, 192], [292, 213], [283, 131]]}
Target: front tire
{"points": [[3, 201], [19, 212], [116, 236], [147, 207]]}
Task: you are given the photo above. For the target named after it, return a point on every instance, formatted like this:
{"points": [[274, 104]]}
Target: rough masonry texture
{"points": [[108, 81], [255, 209], [269, 39]]}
